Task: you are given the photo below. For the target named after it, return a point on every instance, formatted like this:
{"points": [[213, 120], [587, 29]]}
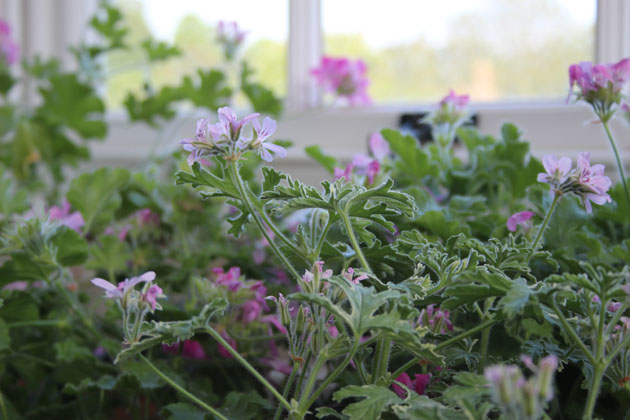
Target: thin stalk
{"points": [[322, 238], [312, 378], [281, 235], [618, 158], [87, 322], [307, 362], [179, 388], [593, 391], [236, 178], [445, 344], [383, 363], [353, 239], [247, 366], [542, 228], [485, 339], [376, 363], [287, 389], [331, 377], [576, 339], [616, 318]]}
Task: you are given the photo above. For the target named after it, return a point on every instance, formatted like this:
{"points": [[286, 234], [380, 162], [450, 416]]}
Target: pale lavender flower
{"points": [[593, 184], [229, 126], [151, 296], [379, 147], [118, 292], [73, 220], [230, 36], [258, 142], [614, 306], [556, 171], [203, 144], [521, 218], [345, 173]]}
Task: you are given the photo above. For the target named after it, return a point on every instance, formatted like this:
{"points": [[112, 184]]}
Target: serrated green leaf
{"points": [[374, 401], [516, 298]]}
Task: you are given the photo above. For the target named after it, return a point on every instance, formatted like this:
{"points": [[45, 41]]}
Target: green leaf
{"points": [[70, 351], [212, 92], [70, 102], [71, 247], [317, 154], [96, 195], [414, 161], [109, 254], [159, 50], [261, 98], [5, 338], [221, 186], [153, 105], [374, 401], [516, 298], [421, 407], [183, 411], [244, 405], [110, 26]]}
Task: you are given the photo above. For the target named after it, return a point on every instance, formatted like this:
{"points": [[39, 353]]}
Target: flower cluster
{"points": [[230, 37], [435, 319], [366, 166], [600, 85], [418, 384], [227, 137], [587, 182], [127, 295], [73, 220], [518, 397], [345, 78], [9, 50]]}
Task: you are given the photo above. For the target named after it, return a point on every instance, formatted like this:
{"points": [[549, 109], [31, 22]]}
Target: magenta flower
{"points": [[593, 185], [345, 78], [148, 217], [191, 349], [556, 171], [258, 143], [519, 219], [437, 320], [345, 173], [222, 350], [419, 384], [352, 276], [73, 220], [252, 309], [454, 101], [379, 147], [117, 292], [9, 50]]}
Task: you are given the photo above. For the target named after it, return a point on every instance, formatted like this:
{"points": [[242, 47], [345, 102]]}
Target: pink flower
{"points": [[9, 50], [521, 218], [592, 182], [350, 276], [72, 220], [258, 143], [345, 78], [148, 217], [16, 285], [229, 126], [151, 296], [379, 147], [251, 310], [344, 173], [372, 170], [614, 306], [437, 320], [117, 292], [230, 279], [455, 102], [591, 78], [190, 349], [203, 144], [419, 384], [556, 171], [222, 350]]}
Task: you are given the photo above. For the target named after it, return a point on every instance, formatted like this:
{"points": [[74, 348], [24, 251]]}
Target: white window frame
{"points": [[48, 27]]}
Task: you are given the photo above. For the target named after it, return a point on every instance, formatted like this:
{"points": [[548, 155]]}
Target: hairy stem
{"points": [[238, 182], [542, 228], [247, 366], [184, 392], [569, 330], [287, 389], [353, 239], [618, 158], [593, 391]]}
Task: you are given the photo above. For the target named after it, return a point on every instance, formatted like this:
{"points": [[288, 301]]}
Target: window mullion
{"points": [[612, 38], [304, 52]]}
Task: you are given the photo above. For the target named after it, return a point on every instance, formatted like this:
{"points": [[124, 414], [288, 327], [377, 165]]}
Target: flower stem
{"points": [[247, 366], [177, 387], [445, 344], [238, 182], [618, 158], [569, 330], [287, 388], [542, 228], [593, 391], [353, 239]]}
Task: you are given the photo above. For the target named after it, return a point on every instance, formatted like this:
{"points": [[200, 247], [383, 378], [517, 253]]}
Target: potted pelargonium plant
{"points": [[413, 285]]}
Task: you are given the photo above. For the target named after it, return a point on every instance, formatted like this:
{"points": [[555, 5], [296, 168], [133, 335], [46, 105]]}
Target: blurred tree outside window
{"points": [[191, 26], [495, 50]]}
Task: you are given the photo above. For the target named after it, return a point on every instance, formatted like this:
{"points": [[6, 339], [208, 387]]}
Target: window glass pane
{"points": [[191, 26], [492, 49]]}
